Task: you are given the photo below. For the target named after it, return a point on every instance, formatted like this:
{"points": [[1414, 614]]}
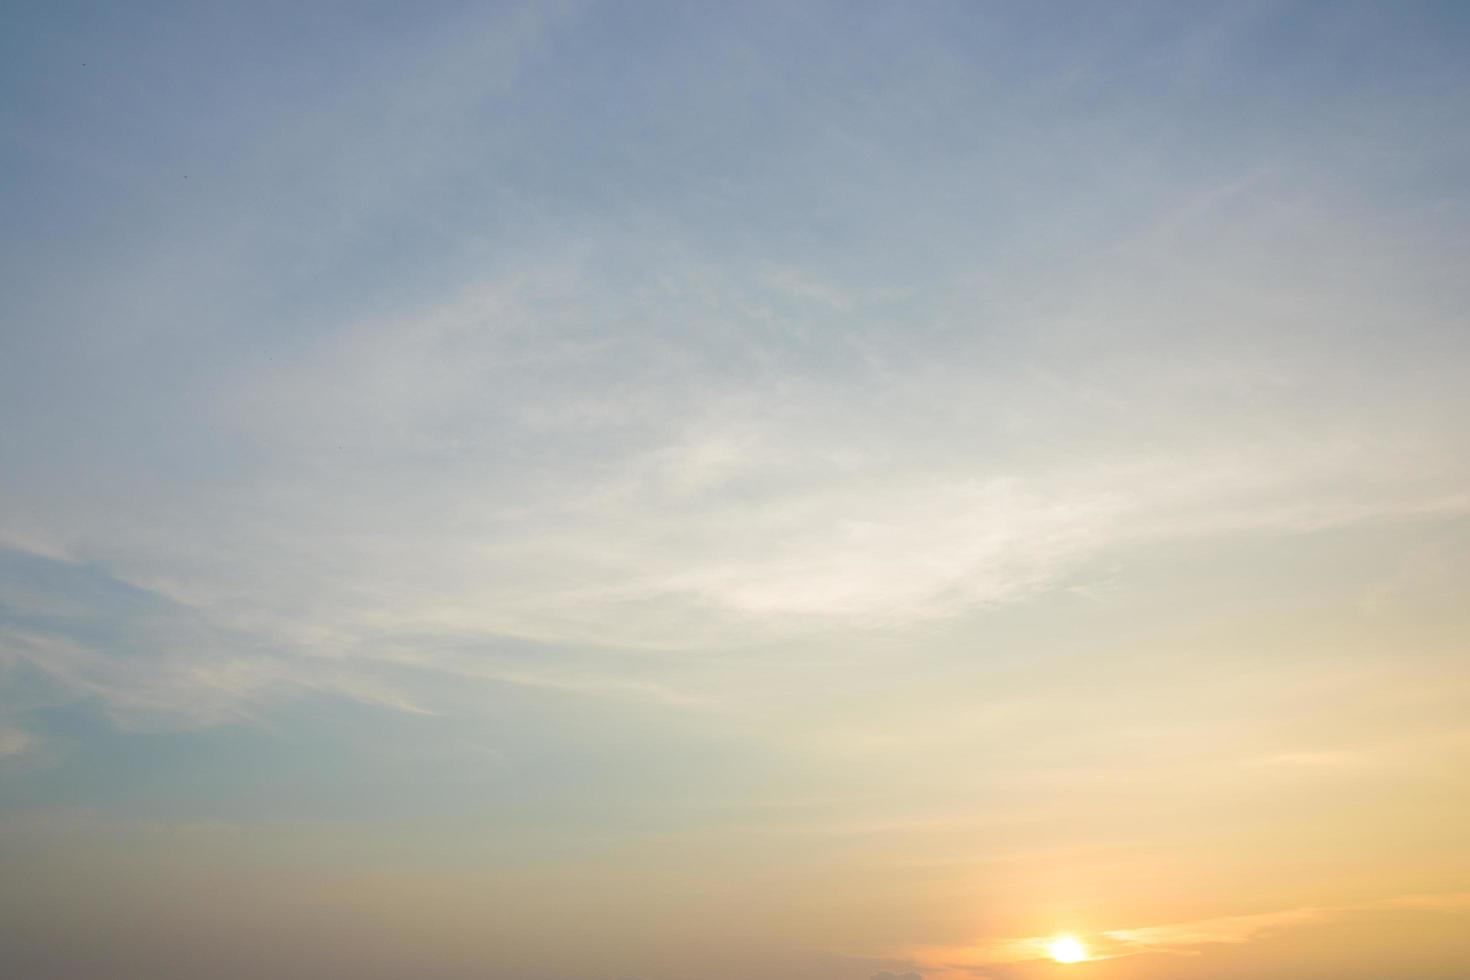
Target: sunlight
{"points": [[1067, 949]]}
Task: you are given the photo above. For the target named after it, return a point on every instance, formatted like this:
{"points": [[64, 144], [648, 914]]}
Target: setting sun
{"points": [[1067, 949]]}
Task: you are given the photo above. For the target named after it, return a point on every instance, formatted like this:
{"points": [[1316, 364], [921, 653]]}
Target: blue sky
{"points": [[704, 491]]}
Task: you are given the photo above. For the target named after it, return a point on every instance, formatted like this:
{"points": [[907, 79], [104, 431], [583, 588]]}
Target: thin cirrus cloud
{"points": [[636, 434], [1178, 938], [505, 466]]}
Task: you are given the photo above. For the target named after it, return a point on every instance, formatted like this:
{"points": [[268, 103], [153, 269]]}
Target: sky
{"points": [[753, 491]]}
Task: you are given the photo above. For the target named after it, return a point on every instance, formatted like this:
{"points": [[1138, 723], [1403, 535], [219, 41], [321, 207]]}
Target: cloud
{"points": [[718, 470], [470, 468], [620, 427], [1177, 938], [78, 633], [72, 632]]}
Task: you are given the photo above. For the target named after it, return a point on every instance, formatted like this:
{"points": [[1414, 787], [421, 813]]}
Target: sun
{"points": [[1067, 949]]}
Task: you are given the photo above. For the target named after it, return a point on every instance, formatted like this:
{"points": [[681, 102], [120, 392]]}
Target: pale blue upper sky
{"points": [[658, 435]]}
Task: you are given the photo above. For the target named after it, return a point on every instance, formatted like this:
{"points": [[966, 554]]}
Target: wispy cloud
{"points": [[1178, 938], [623, 428]]}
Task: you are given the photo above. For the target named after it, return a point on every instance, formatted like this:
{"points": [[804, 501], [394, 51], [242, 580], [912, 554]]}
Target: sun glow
{"points": [[1067, 949]]}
